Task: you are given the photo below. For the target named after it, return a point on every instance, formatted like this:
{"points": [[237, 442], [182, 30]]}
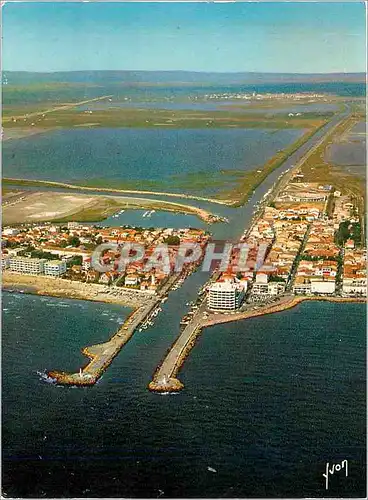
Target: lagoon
{"points": [[200, 161]]}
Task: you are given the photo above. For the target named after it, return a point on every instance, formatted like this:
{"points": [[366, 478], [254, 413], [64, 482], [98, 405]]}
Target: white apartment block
{"points": [[302, 289], [355, 286], [54, 267], [5, 262], [13, 252], [323, 287], [272, 288], [10, 231], [225, 295], [26, 265]]}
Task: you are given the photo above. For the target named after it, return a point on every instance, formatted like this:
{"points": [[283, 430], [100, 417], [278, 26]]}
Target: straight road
{"points": [[56, 108]]}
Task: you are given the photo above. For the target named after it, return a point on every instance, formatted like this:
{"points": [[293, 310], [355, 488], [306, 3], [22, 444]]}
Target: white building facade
{"points": [[225, 295], [25, 265], [54, 267], [355, 286]]}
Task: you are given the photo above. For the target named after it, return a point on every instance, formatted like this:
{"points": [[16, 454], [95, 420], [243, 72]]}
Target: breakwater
{"points": [[165, 376], [287, 303], [101, 355]]}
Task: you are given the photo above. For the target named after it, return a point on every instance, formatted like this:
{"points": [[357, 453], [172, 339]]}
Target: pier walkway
{"points": [[101, 355], [164, 379]]}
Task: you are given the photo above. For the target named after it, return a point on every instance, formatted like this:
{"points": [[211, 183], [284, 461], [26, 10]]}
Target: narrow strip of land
{"points": [[101, 355], [26, 182], [63, 107], [165, 378], [52, 206]]}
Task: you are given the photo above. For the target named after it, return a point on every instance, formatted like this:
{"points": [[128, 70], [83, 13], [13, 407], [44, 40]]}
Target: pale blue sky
{"points": [[270, 37]]}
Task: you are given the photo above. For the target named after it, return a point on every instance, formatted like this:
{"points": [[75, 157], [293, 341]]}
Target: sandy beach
{"points": [[57, 287]]}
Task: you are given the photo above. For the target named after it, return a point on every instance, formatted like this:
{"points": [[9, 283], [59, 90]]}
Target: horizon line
{"points": [[184, 71]]}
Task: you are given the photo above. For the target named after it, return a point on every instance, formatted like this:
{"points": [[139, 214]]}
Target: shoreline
{"points": [[39, 182], [289, 303], [172, 384], [62, 288]]}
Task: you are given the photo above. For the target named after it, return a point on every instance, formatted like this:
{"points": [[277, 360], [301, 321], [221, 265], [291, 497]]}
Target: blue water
{"points": [[267, 402], [142, 93], [135, 155], [351, 153]]}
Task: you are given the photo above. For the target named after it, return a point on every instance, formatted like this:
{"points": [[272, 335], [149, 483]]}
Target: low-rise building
{"points": [[13, 252], [10, 231], [272, 288], [54, 267], [86, 263], [355, 286], [325, 287], [27, 265], [131, 280], [302, 288]]}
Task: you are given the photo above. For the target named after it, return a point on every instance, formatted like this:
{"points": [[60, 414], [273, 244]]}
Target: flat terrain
{"points": [[68, 117], [319, 167], [29, 207]]}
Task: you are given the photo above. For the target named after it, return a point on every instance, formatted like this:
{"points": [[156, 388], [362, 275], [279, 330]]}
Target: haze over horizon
{"points": [[312, 38]]}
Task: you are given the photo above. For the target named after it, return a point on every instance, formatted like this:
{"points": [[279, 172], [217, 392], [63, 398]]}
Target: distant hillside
{"points": [[174, 77]]}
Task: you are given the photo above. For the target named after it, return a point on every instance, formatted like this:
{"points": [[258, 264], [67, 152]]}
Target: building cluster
{"points": [[72, 246], [300, 253], [301, 96], [354, 278], [318, 265], [28, 265]]}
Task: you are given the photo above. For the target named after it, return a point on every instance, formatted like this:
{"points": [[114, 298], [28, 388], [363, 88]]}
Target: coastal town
{"points": [[310, 234], [313, 246], [66, 252], [305, 243], [184, 249]]}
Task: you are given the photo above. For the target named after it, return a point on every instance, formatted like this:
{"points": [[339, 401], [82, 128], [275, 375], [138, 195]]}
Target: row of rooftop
{"points": [[302, 255], [73, 261]]}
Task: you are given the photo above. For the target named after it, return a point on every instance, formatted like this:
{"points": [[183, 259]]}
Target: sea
{"points": [[267, 403]]}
